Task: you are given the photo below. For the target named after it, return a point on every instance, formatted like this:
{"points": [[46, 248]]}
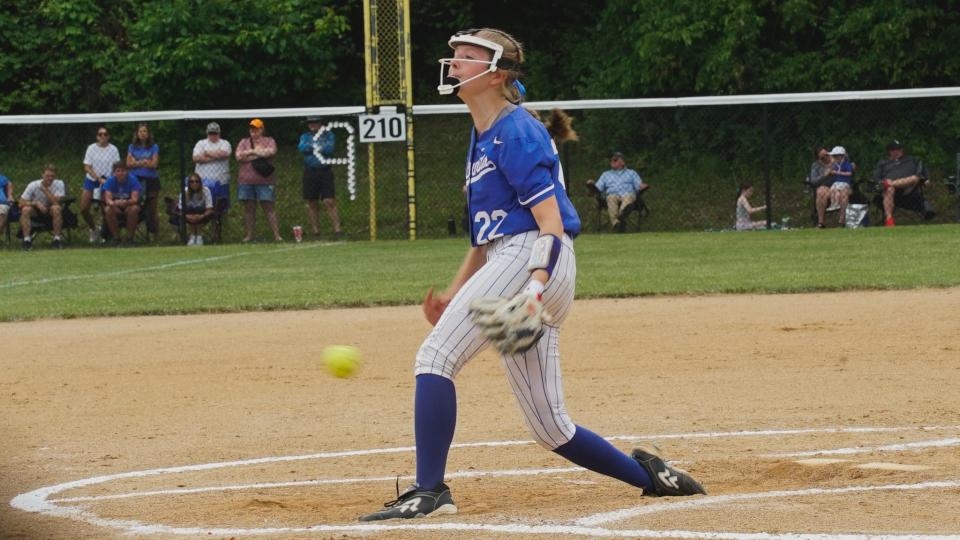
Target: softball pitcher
{"points": [[513, 290]]}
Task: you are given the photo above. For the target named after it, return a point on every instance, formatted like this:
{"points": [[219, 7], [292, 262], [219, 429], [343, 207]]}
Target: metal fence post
{"points": [[181, 143], [766, 166]]}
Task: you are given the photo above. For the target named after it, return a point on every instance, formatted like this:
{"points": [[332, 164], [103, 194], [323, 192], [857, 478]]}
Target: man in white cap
{"points": [[212, 158]]}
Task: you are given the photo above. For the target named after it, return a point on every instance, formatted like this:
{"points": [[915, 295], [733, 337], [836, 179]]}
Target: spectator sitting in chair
{"points": [[901, 177], [6, 199], [42, 198], [620, 185], [199, 208], [819, 180], [842, 183], [121, 197]]}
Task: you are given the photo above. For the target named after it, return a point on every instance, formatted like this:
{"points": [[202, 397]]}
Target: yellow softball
{"points": [[341, 360]]}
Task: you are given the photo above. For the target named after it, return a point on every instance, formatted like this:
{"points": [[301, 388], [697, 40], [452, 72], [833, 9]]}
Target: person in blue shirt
{"points": [[6, 200], [522, 230], [842, 186], [121, 197], [143, 159], [620, 185], [317, 176]]}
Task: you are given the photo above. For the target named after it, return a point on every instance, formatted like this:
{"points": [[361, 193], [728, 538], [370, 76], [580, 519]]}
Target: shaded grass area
{"points": [[169, 280]]}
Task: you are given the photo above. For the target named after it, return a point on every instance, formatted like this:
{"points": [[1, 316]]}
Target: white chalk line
{"points": [[552, 530], [918, 445], [938, 443], [165, 266], [627, 513], [39, 500], [299, 483], [403, 449]]}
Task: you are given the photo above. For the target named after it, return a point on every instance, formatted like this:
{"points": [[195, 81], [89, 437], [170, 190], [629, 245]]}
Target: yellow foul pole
{"points": [[373, 98]]}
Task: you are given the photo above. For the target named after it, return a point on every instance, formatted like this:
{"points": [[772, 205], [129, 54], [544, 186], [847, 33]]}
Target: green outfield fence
{"points": [[692, 151]]}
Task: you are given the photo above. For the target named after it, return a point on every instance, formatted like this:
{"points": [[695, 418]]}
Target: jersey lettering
{"points": [[480, 168]]}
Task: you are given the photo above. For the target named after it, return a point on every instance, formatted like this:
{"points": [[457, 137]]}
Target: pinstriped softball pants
{"points": [[534, 375]]}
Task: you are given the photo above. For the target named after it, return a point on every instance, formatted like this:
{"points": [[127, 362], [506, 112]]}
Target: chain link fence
{"points": [[693, 157]]}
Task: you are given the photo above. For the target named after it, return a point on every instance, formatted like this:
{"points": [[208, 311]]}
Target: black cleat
{"points": [[57, 243], [416, 503], [27, 245], [667, 481]]}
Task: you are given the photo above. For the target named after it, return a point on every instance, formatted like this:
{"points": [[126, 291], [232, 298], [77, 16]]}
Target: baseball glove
{"points": [[513, 325]]}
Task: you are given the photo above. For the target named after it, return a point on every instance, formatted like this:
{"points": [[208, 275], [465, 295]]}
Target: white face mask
{"points": [[450, 85]]}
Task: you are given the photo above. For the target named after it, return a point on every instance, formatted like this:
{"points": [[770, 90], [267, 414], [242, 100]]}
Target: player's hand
{"points": [[434, 306]]}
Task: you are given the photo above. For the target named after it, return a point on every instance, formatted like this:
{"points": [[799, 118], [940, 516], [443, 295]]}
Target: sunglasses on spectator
{"points": [[103, 134], [193, 181]]}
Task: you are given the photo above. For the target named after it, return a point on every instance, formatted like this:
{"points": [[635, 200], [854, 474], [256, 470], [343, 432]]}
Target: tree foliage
{"points": [[227, 54], [111, 55], [57, 55], [650, 48]]}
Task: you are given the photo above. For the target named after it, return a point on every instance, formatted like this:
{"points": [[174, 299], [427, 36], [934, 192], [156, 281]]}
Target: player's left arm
{"points": [[515, 325], [547, 215]]}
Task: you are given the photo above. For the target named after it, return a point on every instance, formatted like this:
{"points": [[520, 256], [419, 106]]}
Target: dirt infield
{"points": [[741, 390]]}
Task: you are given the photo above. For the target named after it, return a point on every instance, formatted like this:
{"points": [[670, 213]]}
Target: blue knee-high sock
{"points": [[435, 418], [593, 452]]}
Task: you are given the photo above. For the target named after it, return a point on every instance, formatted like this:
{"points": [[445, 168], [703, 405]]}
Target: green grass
{"points": [[168, 280]]}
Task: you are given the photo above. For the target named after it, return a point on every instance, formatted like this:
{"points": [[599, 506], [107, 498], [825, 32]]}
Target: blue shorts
{"points": [[255, 192], [221, 195], [89, 184]]}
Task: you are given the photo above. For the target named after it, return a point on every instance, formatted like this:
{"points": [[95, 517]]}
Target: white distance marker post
{"points": [[350, 161]]}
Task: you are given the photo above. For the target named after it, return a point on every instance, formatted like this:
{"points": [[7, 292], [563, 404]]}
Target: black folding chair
{"points": [[915, 203], [638, 206], [43, 223]]}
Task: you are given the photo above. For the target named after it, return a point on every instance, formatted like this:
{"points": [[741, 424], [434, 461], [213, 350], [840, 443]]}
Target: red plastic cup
{"points": [[298, 233]]}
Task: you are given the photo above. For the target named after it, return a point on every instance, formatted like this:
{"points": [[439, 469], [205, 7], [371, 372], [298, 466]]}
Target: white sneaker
{"points": [[832, 207], [199, 241], [94, 236], [192, 241]]}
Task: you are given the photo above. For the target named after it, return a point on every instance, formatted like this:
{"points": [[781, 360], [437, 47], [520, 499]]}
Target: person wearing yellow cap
{"points": [[255, 179]]}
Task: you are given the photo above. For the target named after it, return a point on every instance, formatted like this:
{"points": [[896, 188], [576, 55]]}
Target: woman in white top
{"points": [[98, 164]]}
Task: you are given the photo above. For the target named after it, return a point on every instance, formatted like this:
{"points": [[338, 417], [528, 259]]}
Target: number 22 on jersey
{"points": [[485, 220]]}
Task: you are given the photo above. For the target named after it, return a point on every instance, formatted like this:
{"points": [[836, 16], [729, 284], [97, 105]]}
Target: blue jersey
{"points": [[122, 190], [511, 167]]}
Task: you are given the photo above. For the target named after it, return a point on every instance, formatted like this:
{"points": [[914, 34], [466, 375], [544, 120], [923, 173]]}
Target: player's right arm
{"points": [[434, 305], [88, 164], [199, 155]]}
